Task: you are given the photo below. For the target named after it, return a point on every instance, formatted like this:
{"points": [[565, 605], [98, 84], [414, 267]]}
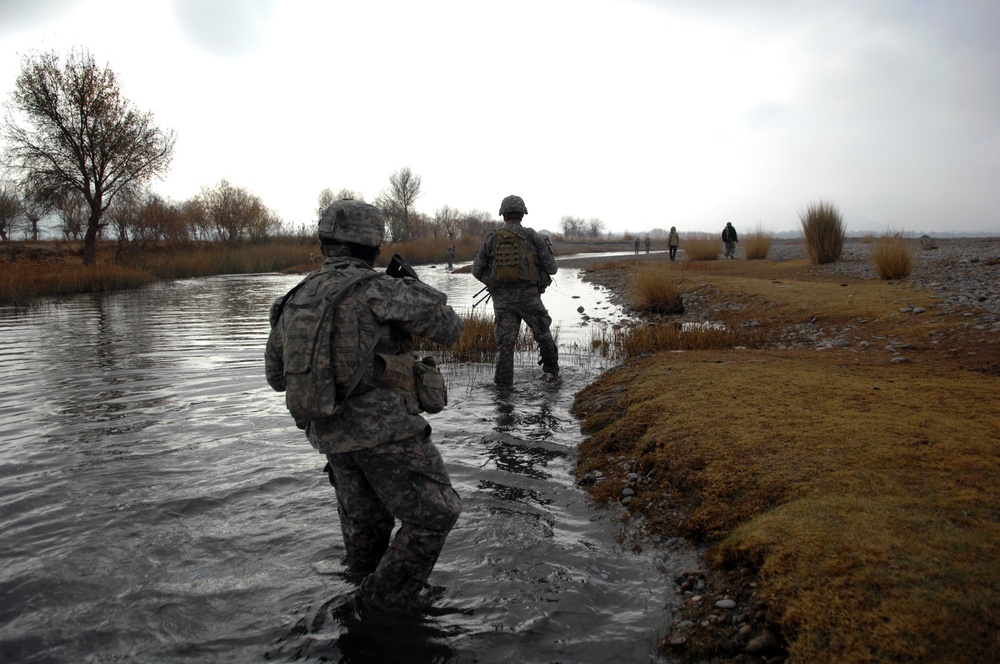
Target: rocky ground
{"points": [[963, 273]]}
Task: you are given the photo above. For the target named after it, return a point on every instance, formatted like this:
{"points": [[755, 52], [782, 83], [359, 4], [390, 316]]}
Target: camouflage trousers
{"points": [[509, 315], [403, 480]]}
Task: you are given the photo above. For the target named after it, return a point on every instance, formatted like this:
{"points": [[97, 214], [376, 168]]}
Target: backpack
{"points": [[306, 315], [507, 262]]}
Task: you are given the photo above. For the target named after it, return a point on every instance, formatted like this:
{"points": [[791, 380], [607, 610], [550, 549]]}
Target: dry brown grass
{"points": [[892, 257], [823, 229], [477, 343], [757, 244], [862, 492], [429, 251], [656, 289], [22, 283], [701, 247]]}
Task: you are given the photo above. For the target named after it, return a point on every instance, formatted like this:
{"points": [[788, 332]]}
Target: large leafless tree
{"points": [[396, 202], [69, 131]]}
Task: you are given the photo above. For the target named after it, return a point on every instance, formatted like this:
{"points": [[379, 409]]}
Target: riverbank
{"points": [[840, 477]]}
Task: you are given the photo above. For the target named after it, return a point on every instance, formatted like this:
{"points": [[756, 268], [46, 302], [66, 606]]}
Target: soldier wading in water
{"points": [[516, 265], [339, 349]]}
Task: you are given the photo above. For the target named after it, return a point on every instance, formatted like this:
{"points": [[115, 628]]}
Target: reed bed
{"points": [[23, 283], [210, 260], [892, 257], [633, 342], [702, 247], [428, 251]]}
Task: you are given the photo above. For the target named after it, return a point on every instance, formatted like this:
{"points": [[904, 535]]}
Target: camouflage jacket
{"points": [[482, 265], [371, 415]]}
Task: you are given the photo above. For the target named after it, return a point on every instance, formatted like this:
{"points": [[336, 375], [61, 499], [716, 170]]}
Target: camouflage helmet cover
{"points": [[352, 221], [513, 205]]}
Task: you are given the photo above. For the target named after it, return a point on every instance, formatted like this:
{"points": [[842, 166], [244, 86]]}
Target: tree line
{"points": [[82, 154]]}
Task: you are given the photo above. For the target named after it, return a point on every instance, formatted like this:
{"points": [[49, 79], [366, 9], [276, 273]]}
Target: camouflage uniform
{"points": [[517, 301], [380, 458]]}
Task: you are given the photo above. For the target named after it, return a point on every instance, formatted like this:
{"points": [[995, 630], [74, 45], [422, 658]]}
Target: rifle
{"points": [[399, 268], [484, 299]]}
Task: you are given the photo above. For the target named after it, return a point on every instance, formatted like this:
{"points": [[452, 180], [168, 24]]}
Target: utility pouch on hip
{"points": [[431, 389], [418, 381]]}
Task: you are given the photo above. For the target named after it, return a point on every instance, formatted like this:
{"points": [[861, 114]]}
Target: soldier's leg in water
{"points": [[364, 520], [411, 479], [538, 320], [508, 324]]}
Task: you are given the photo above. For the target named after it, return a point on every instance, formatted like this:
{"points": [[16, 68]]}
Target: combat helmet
{"points": [[352, 221], [513, 205]]}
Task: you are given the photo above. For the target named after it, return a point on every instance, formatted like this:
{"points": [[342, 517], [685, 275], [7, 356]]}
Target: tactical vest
{"points": [[323, 346], [514, 259]]}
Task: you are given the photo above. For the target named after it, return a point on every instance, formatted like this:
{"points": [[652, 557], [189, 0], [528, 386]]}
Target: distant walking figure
{"points": [[449, 256], [730, 238], [637, 245], [648, 243], [672, 242]]}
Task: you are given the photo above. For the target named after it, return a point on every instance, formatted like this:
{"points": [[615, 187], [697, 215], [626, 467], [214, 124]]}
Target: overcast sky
{"points": [[644, 114]]}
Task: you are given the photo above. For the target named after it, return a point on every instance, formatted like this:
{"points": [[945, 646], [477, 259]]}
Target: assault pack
{"points": [[306, 317]]}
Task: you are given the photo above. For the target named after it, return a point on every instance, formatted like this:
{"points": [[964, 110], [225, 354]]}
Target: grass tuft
{"points": [[892, 257], [757, 244], [824, 230], [702, 247], [654, 289]]}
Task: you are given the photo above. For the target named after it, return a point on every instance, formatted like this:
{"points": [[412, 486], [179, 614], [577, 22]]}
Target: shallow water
{"points": [[157, 504]]}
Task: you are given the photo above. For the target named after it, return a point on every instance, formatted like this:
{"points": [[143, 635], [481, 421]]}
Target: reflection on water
{"points": [[157, 504]]}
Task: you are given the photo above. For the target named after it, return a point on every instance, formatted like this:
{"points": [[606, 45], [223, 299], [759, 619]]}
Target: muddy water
{"points": [[158, 505]]}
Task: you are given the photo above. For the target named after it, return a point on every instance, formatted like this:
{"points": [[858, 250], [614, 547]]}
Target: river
{"points": [[157, 504]]}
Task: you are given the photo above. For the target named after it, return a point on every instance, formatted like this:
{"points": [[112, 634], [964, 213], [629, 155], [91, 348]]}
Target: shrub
{"points": [[892, 257], [702, 247], [654, 290], [757, 245], [824, 230]]}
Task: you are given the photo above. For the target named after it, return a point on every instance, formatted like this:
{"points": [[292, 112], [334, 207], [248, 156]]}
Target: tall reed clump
{"points": [[702, 247], [892, 257], [654, 289], [757, 244], [477, 343], [824, 230]]}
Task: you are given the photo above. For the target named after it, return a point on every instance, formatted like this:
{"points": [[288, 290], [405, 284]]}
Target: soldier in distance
{"points": [[517, 265]]}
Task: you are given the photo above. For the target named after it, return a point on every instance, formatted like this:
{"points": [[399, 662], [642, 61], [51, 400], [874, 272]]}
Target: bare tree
{"points": [[595, 227], [446, 222], [81, 135], [10, 210], [35, 209], [396, 202], [72, 210], [572, 227], [476, 223], [235, 214], [326, 197]]}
